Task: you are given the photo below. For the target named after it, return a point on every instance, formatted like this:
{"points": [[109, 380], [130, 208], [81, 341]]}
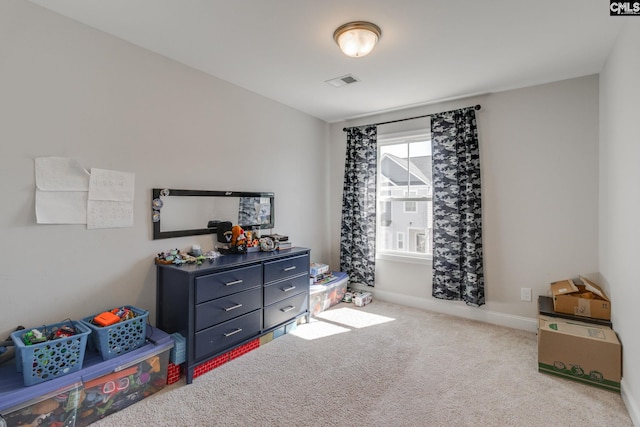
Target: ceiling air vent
{"points": [[341, 81]]}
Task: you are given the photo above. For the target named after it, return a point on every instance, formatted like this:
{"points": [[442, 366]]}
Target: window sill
{"points": [[400, 257]]}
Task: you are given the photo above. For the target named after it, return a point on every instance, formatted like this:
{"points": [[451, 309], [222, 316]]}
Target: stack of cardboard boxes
{"points": [[357, 297], [575, 338]]}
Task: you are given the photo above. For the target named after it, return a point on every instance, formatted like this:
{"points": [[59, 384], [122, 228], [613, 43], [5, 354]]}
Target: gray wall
{"points": [[620, 201], [539, 153], [68, 90]]}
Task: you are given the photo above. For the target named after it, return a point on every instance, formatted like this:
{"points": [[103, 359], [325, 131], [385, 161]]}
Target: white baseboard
{"points": [[630, 403], [455, 309]]}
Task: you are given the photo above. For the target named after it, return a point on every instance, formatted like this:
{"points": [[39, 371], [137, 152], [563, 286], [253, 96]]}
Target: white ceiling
{"points": [[430, 50]]}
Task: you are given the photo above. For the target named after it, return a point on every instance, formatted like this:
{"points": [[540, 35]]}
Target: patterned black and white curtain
{"points": [[457, 215], [358, 232]]}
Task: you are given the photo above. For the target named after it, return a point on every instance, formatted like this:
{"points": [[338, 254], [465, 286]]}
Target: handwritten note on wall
{"points": [[66, 193], [110, 199], [109, 214]]}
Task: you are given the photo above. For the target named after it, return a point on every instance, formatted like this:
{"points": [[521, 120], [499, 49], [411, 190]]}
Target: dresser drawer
{"points": [[227, 282], [227, 334], [285, 288], [222, 309], [286, 309], [285, 268]]}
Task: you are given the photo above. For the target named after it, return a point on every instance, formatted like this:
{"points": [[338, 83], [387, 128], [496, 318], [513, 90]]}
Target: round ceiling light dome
{"points": [[357, 38]]}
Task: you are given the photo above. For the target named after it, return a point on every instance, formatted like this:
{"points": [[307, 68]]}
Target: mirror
{"points": [[178, 213]]}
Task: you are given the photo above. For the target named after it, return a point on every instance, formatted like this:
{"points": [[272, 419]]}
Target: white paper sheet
{"points": [[67, 194], [111, 185], [61, 207], [60, 174], [109, 214]]}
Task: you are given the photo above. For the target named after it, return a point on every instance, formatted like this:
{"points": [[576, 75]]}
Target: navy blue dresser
{"points": [[221, 305]]}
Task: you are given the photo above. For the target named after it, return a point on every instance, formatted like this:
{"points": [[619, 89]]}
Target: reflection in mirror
{"points": [[254, 210], [178, 213], [185, 213]]}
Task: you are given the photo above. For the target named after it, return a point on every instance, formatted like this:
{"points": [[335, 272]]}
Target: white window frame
{"points": [[400, 240], [397, 255]]}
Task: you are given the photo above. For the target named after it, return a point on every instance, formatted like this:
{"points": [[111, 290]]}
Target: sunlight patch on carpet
{"points": [[317, 329], [353, 318]]}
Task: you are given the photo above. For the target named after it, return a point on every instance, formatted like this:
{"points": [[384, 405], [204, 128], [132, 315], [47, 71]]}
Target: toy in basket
{"points": [[124, 330], [50, 351]]}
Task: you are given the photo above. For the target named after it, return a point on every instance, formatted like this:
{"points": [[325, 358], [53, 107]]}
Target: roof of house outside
{"points": [[394, 168]]}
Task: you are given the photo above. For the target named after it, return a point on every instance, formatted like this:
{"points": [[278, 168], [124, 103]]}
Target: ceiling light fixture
{"points": [[357, 38]]}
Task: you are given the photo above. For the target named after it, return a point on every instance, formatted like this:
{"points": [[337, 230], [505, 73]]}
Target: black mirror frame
{"points": [[158, 192]]}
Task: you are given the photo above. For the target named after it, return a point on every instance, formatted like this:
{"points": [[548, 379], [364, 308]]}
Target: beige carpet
{"points": [[382, 365]]}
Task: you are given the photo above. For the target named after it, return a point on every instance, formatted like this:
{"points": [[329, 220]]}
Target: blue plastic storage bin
{"points": [[17, 400], [178, 354], [121, 337], [50, 359]]}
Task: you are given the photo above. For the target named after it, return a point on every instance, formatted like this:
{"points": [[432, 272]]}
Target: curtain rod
{"points": [[475, 107]]}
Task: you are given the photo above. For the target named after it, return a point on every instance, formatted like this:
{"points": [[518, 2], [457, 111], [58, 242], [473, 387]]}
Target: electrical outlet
{"points": [[525, 294]]}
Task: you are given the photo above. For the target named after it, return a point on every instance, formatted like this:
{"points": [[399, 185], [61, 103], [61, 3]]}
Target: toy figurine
{"points": [[238, 236], [238, 240]]}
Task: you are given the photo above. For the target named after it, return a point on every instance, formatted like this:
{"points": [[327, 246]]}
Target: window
{"points": [[410, 206], [404, 195]]}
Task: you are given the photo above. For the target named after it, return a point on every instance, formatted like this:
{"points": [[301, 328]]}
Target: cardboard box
{"points": [[579, 351], [586, 299], [362, 298], [545, 307], [317, 268]]}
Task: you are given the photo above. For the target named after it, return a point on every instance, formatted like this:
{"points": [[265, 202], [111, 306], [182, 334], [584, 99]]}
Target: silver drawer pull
{"points": [[233, 308], [235, 282], [228, 334], [293, 267], [284, 310], [289, 289]]}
